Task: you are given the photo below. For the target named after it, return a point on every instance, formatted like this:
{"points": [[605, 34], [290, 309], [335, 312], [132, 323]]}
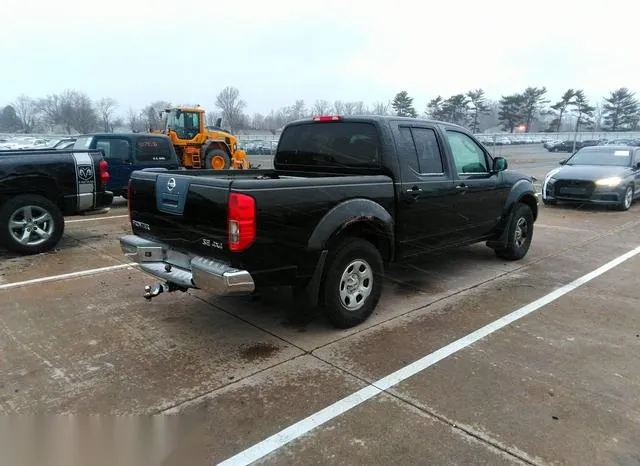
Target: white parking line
{"points": [[96, 218], [334, 410], [64, 276], [558, 227]]}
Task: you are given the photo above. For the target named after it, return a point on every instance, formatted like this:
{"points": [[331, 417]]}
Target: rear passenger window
{"points": [[152, 150], [114, 148], [428, 150], [419, 147], [407, 149]]}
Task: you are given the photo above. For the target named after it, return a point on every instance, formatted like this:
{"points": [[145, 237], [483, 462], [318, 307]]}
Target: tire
{"points": [[627, 200], [51, 223], [215, 158], [518, 241], [343, 261]]}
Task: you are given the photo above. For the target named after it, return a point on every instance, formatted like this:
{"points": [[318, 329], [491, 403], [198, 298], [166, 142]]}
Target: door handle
{"points": [[414, 190], [462, 187]]}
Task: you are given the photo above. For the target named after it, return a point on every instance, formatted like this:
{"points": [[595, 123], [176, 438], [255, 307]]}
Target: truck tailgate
{"points": [[181, 211]]}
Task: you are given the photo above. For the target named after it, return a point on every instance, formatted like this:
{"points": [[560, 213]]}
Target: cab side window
{"points": [[420, 148], [467, 154], [114, 149], [429, 157]]}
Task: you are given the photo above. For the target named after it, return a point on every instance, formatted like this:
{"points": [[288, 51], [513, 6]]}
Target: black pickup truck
{"points": [[38, 187], [346, 197]]}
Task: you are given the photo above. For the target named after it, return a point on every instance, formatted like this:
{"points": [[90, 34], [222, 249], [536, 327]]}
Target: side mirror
{"points": [[500, 164], [562, 162]]}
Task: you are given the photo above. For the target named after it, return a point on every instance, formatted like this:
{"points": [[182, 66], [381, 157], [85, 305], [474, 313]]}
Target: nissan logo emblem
{"points": [[171, 184]]}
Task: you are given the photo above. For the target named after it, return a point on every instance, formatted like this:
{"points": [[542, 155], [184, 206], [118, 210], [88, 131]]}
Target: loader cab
{"points": [[187, 124]]}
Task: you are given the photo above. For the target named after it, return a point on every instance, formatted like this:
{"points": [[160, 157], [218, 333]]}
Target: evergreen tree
{"points": [[403, 105], [9, 121], [532, 102], [561, 107], [620, 110], [511, 111], [478, 101]]}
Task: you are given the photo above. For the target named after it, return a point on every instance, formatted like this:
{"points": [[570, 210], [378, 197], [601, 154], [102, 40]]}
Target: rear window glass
{"points": [[330, 145], [82, 143], [152, 150]]}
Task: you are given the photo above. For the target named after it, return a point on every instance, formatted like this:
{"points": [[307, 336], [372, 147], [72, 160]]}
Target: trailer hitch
{"points": [[151, 291]]}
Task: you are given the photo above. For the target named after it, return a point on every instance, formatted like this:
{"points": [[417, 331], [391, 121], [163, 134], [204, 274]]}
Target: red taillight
{"points": [[327, 118], [242, 221], [103, 169]]}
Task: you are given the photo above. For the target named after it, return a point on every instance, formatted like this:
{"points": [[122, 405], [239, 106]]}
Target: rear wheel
{"points": [[353, 282], [217, 159], [520, 234], [30, 224]]}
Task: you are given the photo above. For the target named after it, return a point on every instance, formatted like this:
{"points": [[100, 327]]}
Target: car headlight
{"points": [[610, 182]]}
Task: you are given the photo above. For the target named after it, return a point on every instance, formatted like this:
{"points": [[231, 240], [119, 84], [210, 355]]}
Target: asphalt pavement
{"points": [[468, 359]]}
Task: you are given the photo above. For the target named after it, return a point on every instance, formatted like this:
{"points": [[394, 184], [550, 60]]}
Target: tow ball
{"points": [[151, 291]]}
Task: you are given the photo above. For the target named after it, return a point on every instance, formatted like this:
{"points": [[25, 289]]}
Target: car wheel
{"points": [[353, 282], [627, 199], [217, 159], [30, 224], [520, 233]]}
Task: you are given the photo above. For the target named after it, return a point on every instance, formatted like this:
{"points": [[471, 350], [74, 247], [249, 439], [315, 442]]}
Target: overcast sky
{"points": [[278, 51]]}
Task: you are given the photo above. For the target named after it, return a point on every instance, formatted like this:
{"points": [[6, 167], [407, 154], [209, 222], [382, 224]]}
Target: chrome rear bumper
{"points": [[186, 271]]}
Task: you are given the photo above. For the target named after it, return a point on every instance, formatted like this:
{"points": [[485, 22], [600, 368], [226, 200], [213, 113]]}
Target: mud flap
{"points": [[313, 287], [501, 241]]}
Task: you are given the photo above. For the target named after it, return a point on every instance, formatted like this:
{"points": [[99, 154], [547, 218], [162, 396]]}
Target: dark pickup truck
{"points": [[346, 197], [128, 152], [38, 187]]}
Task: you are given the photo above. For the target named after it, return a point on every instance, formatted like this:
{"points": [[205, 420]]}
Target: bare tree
{"points": [[231, 105], [106, 108], [338, 107], [380, 108], [26, 110], [359, 108], [321, 107], [258, 121], [349, 108], [297, 111], [85, 118], [133, 120], [150, 115], [117, 122], [51, 108], [76, 112]]}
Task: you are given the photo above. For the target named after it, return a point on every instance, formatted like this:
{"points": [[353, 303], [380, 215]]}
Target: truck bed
{"points": [[193, 216]]}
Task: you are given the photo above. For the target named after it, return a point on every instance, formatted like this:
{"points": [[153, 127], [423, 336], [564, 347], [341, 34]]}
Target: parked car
{"points": [[608, 175], [39, 187], [127, 152], [346, 197], [564, 146], [548, 144]]}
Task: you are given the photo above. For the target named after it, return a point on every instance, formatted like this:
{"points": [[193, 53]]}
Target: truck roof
{"points": [[129, 136], [379, 119]]}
